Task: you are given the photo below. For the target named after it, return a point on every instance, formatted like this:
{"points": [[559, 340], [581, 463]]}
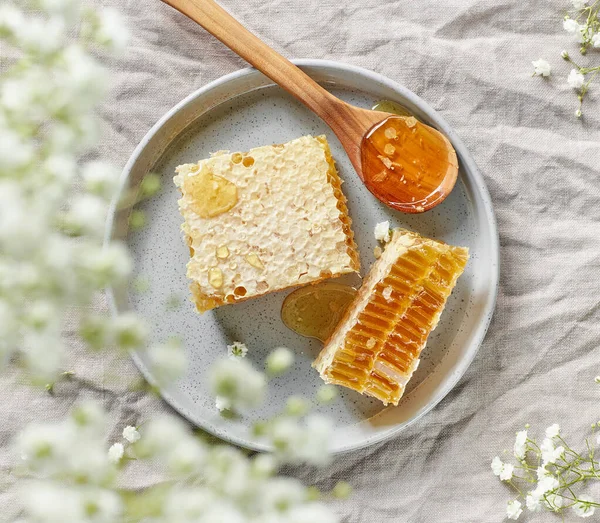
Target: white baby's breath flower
{"points": [[382, 232], [11, 19], [42, 35], [87, 215], [520, 444], [575, 79], [222, 404], [326, 393], [131, 434], [311, 513], [115, 452], [584, 508], [542, 472], [553, 430], [281, 494], [297, 443], [188, 504], [237, 350], [533, 502], [264, 465], [237, 381], [507, 472], [15, 152], [553, 502], [513, 510], [547, 448], [168, 361], [542, 67], [129, 331], [497, 466], [112, 31], [186, 457], [89, 416], [100, 178], [50, 502], [571, 26], [596, 40], [546, 484], [579, 4], [105, 506], [158, 435], [279, 360]]}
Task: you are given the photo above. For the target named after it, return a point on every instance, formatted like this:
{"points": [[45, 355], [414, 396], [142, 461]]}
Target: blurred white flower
{"points": [[571, 26], [41, 35], [520, 444], [44, 447], [579, 4], [11, 19], [158, 435], [513, 510], [115, 452], [575, 79], [168, 361], [104, 266], [281, 495], [15, 152], [49, 502], [302, 443], [87, 215], [101, 179], [553, 430], [227, 471], [238, 382], [131, 434], [89, 415], [129, 331], [104, 506], [542, 67], [112, 31], [311, 513], [596, 40], [279, 360], [264, 465], [237, 350], [326, 393], [188, 504], [584, 507], [186, 456]]}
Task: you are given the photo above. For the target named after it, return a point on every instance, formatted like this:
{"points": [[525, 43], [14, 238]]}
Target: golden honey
{"points": [[212, 195], [315, 311], [387, 106]]}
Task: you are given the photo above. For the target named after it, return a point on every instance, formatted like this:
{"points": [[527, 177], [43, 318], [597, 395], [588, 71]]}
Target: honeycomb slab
{"points": [[376, 347], [261, 221]]}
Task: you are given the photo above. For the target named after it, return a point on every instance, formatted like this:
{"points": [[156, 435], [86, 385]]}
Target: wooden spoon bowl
{"points": [[406, 164]]}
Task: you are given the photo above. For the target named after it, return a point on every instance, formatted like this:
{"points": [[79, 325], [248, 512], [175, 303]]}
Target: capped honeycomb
{"points": [[261, 221], [376, 347]]}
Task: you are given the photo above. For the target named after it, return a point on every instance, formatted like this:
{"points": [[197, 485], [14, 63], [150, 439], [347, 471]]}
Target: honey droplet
{"points": [[210, 194], [215, 278], [222, 252], [254, 260], [316, 310], [236, 157], [248, 161]]}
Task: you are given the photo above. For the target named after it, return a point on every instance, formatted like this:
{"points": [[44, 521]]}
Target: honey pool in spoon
{"points": [[407, 164]]}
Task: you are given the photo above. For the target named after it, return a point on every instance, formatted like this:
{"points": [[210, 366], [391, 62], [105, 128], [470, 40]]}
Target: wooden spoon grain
{"points": [[416, 175]]}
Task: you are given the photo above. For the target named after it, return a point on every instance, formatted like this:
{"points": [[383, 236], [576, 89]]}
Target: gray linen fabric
{"points": [[471, 60]]}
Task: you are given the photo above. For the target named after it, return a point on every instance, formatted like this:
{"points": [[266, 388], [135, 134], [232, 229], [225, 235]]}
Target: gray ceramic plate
{"points": [[243, 110]]}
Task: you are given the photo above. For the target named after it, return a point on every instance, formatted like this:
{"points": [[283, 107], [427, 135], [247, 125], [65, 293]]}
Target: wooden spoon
{"points": [[406, 164]]}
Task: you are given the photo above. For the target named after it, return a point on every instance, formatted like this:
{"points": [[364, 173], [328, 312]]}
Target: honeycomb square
{"points": [[265, 220]]}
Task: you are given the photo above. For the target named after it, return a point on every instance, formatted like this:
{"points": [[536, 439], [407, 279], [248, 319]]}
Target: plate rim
{"points": [[473, 173]]}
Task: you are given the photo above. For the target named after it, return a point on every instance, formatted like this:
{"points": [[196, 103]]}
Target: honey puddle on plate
{"points": [[315, 311]]}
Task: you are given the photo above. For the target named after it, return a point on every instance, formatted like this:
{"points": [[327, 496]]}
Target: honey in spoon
{"points": [[315, 311], [405, 163]]}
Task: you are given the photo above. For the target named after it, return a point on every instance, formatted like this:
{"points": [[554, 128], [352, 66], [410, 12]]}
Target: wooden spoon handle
{"points": [[234, 35]]}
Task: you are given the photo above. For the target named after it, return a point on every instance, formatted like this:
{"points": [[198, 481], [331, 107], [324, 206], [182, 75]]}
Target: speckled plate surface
{"points": [[244, 110]]}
